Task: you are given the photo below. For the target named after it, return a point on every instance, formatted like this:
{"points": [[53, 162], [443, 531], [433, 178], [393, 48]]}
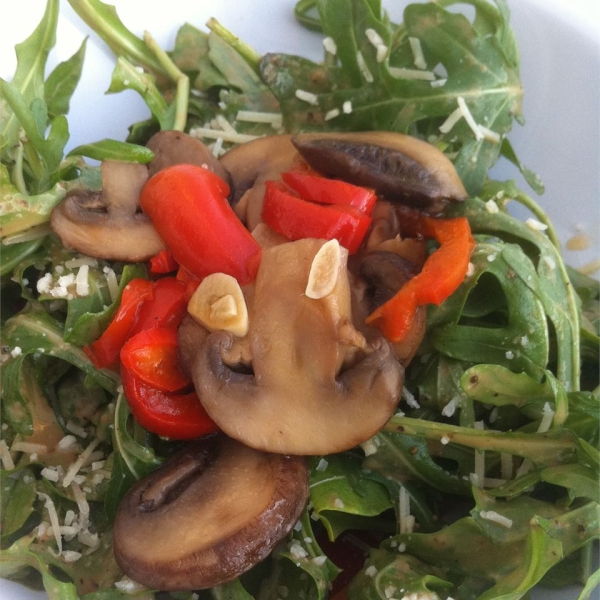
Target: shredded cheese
{"points": [[402, 73], [53, 516], [363, 67], [453, 118], [237, 138], [417, 50], [546, 422], [330, 45], [5, 457], [307, 97], [332, 114], [76, 466], [491, 515], [466, 113]]}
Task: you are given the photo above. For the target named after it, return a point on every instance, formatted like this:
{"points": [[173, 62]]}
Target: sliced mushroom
{"points": [[176, 147], [380, 275], [208, 514], [399, 167], [109, 224], [250, 165], [315, 387]]}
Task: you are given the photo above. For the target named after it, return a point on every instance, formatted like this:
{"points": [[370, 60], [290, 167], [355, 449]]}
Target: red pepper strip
{"points": [[152, 356], [175, 416], [166, 308], [442, 273], [104, 352], [296, 218], [330, 191], [190, 282], [188, 207], [163, 262]]}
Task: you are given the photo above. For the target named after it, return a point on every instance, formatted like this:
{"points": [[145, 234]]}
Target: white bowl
{"points": [[559, 42]]}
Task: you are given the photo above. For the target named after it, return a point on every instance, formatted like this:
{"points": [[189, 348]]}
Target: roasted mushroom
{"points": [[208, 514], [399, 167], [109, 224], [250, 165], [176, 147], [315, 386], [381, 274]]}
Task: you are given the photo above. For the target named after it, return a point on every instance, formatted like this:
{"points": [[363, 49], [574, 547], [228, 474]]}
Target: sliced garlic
{"points": [[324, 271], [219, 305]]}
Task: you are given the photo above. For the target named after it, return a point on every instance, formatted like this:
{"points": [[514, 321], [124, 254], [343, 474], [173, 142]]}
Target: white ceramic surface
{"points": [[560, 49]]}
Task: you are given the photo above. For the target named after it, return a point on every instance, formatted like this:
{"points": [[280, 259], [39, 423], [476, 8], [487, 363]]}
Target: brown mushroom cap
{"points": [[209, 514], [109, 224], [399, 167], [176, 147], [312, 390]]}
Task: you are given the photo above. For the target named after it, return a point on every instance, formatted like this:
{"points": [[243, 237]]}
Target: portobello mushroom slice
{"points": [[177, 147], [208, 514], [397, 166], [109, 224], [303, 380]]}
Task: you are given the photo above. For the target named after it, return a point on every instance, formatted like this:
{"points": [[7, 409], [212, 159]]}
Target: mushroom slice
{"points": [[382, 273], [109, 224], [176, 147], [314, 387], [208, 514], [250, 165], [399, 167]]}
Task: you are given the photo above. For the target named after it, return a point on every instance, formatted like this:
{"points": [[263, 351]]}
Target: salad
{"points": [[165, 428]]}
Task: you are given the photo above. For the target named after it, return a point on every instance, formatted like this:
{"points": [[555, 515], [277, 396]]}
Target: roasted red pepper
{"points": [[442, 273], [188, 207], [104, 352], [163, 263], [152, 356], [316, 188], [166, 308], [296, 218], [177, 416]]}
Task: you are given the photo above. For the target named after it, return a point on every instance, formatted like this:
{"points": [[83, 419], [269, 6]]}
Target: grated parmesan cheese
{"points": [[402, 73], [347, 107], [535, 225], [468, 117], [112, 283], [330, 45], [451, 407], [453, 118], [5, 457], [322, 465], [320, 560], [378, 43], [363, 67], [237, 138], [307, 97], [254, 116], [371, 571], [332, 114], [53, 515], [491, 515], [492, 207], [547, 416], [417, 50], [74, 467], [74, 263], [410, 399]]}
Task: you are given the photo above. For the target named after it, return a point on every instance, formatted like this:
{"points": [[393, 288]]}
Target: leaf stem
{"points": [[181, 79], [249, 54]]}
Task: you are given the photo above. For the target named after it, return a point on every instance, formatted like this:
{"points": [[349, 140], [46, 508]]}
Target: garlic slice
{"points": [[324, 271], [219, 305]]}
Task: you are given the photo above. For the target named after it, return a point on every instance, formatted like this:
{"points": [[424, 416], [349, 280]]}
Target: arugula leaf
{"points": [[61, 83], [28, 82]]}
